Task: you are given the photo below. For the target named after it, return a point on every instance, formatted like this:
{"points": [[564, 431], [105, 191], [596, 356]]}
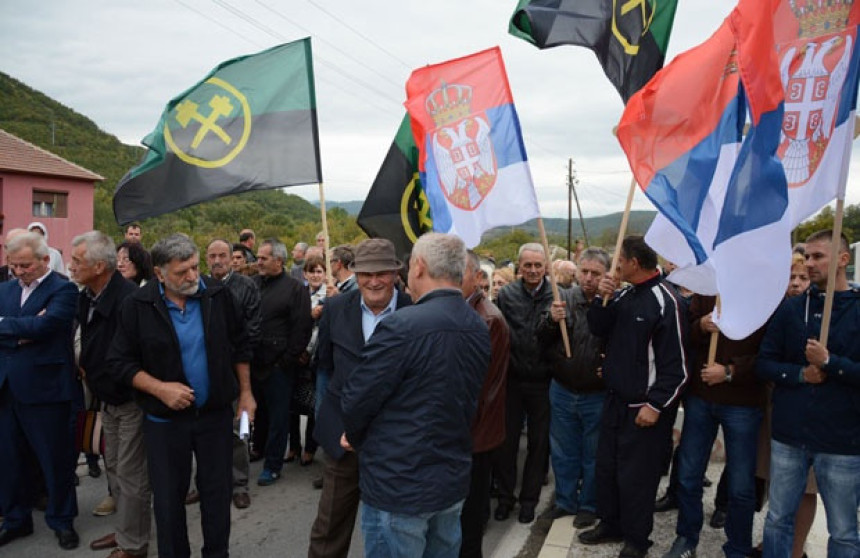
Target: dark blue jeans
{"points": [[740, 431], [278, 390], [573, 430]]}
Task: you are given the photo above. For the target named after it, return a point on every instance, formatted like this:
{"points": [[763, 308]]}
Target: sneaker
{"points": [[681, 548], [584, 519], [267, 477], [105, 507], [603, 533]]}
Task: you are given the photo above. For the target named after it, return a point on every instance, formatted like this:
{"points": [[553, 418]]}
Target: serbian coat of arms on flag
{"points": [[817, 49], [472, 160], [461, 146]]}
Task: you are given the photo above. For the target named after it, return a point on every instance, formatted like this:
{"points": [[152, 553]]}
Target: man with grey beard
{"points": [[183, 345]]}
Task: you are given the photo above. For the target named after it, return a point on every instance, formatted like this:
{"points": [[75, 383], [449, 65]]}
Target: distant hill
{"points": [[594, 226], [351, 207], [37, 118]]}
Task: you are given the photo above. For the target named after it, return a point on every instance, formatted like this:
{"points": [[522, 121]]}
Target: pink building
{"points": [[36, 185]]}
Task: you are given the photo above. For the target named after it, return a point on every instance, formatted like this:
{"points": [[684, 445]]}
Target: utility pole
{"points": [[569, 207], [574, 181]]}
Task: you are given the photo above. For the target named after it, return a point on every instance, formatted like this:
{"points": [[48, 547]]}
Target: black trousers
{"points": [[169, 446], [474, 514], [529, 400], [630, 461]]}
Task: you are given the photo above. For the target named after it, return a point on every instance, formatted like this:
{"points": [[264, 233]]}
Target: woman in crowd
{"points": [[314, 271], [134, 263], [501, 277]]}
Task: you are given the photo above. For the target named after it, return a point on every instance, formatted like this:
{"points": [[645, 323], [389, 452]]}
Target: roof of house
{"points": [[17, 155]]}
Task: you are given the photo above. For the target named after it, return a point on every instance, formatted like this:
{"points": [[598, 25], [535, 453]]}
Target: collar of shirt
{"points": [[201, 287], [27, 290], [537, 289], [369, 320]]}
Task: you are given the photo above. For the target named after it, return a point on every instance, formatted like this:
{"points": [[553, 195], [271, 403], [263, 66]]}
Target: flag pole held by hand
{"points": [[622, 230], [555, 296]]}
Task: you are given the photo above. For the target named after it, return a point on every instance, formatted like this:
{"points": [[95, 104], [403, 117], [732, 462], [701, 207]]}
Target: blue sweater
{"points": [[820, 417]]}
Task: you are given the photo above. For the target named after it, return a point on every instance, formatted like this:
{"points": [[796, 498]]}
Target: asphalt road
{"points": [[277, 524]]}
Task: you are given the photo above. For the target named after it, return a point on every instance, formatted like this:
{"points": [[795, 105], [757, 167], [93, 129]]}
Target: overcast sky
{"points": [[118, 62]]}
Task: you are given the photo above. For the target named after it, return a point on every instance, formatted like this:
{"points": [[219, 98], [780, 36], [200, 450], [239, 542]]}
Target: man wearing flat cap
{"points": [[347, 322]]}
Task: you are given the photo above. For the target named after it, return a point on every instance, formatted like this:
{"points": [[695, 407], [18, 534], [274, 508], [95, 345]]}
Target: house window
{"points": [[50, 204]]}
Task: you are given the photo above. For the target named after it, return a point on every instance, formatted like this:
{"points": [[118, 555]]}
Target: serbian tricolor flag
{"points": [[816, 44], [472, 161], [722, 198]]}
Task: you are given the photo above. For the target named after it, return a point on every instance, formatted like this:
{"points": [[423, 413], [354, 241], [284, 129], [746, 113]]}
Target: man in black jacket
{"points": [[576, 393], [524, 303], [183, 346], [645, 371], [247, 296], [285, 329], [93, 266]]}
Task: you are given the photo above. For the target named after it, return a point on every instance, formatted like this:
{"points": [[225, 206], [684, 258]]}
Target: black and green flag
{"points": [[396, 207], [629, 37], [250, 124]]}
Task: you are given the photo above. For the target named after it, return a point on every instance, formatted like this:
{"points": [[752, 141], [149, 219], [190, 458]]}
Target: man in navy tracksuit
{"points": [[645, 369]]}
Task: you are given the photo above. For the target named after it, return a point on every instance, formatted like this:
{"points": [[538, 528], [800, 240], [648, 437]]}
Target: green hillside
{"points": [[42, 121]]}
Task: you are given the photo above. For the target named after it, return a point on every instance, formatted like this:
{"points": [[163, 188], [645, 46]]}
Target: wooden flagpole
{"points": [[836, 238], [622, 230], [835, 246], [712, 349], [328, 277], [555, 295]]}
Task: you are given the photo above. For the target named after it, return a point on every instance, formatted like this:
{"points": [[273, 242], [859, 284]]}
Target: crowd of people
{"points": [[418, 377]]}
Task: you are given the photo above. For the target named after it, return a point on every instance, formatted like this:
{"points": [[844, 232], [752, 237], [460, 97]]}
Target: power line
{"points": [[218, 23], [319, 59], [360, 34], [329, 43]]}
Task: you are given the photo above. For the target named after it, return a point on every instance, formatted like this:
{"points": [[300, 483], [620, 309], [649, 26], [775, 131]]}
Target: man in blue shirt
{"points": [[182, 344]]}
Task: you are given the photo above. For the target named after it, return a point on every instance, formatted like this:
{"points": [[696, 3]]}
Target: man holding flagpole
{"points": [[816, 418]]}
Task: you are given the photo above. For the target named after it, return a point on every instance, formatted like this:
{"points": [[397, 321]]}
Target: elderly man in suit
{"points": [[347, 322], [37, 383]]}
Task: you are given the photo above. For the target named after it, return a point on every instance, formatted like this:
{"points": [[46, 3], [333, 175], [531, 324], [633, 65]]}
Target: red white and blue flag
{"points": [[728, 202], [472, 160]]}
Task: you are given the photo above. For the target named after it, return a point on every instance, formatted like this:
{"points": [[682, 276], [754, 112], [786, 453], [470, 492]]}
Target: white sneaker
{"points": [[105, 507], [681, 548]]}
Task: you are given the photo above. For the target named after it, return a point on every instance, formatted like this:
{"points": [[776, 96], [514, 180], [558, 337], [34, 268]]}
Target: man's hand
{"points": [[813, 374], [646, 417], [317, 311], [175, 395], [248, 404], [714, 374], [607, 286], [344, 443], [558, 311], [707, 324], [331, 290], [816, 353], [304, 358]]}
